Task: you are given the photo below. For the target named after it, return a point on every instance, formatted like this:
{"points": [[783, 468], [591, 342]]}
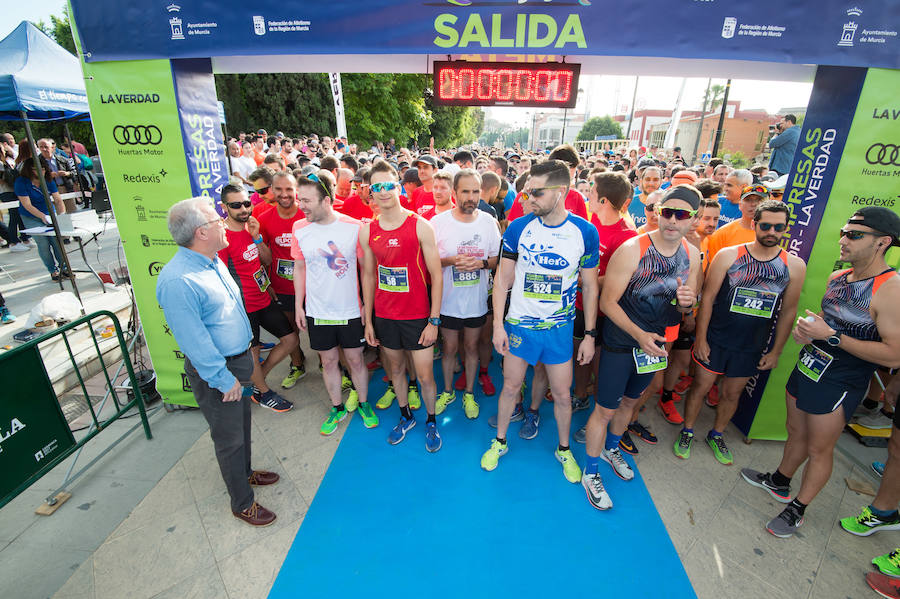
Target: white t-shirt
{"points": [[331, 253], [465, 293], [243, 165]]}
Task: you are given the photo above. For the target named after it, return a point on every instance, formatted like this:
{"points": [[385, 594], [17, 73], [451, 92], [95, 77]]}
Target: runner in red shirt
{"points": [[358, 205], [243, 259], [423, 198], [442, 186], [276, 225]]}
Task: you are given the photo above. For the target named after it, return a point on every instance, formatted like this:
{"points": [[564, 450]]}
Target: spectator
{"points": [[784, 144], [36, 213]]}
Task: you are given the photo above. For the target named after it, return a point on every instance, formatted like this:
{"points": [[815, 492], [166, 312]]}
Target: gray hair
{"points": [[184, 218], [743, 176]]}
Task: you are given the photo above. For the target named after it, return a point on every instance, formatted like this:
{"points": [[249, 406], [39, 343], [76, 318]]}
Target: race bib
{"points": [[463, 278], [393, 279], [262, 279], [754, 302], [813, 362], [543, 287], [285, 269], [322, 322], [645, 364]]}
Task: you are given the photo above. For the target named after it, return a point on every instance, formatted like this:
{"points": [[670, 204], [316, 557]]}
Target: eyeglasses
{"points": [[649, 207], [538, 192], [386, 186], [777, 194], [766, 226], [237, 205], [263, 190], [209, 222], [678, 213], [857, 235]]}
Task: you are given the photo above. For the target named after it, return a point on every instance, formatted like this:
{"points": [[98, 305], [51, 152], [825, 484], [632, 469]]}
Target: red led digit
{"points": [[484, 86], [523, 85], [563, 88], [466, 84], [542, 85], [504, 85], [447, 80]]}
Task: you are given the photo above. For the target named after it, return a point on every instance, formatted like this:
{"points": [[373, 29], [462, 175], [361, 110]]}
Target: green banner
{"points": [[868, 175]]}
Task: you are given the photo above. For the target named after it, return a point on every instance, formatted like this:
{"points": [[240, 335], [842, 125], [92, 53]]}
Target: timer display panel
{"points": [[547, 85]]}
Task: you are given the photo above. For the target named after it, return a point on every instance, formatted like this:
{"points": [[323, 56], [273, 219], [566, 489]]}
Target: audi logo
{"points": [[884, 154], [137, 135]]}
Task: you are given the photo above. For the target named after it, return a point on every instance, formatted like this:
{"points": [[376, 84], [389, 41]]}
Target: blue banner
{"points": [[201, 129], [812, 32]]}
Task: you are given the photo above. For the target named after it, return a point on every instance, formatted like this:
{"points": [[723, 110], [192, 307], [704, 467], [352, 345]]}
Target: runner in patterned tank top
{"points": [[650, 281], [747, 287], [857, 330], [401, 258]]}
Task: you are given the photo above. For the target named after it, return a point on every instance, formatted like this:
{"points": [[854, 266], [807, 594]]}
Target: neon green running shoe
{"points": [[331, 423], [683, 444], [889, 563], [346, 383], [352, 401], [369, 418], [492, 456], [570, 467], [412, 396], [470, 406], [297, 373], [720, 450], [867, 523], [444, 399], [385, 401]]}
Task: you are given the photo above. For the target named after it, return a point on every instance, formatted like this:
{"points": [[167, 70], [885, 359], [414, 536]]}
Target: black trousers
{"points": [[229, 427]]}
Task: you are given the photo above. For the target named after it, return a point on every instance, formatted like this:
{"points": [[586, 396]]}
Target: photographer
{"points": [[784, 144]]}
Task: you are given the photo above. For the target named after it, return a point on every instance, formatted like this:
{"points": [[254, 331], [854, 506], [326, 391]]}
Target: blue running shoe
{"points": [[529, 428], [432, 437], [398, 433], [266, 346], [517, 416], [878, 468]]}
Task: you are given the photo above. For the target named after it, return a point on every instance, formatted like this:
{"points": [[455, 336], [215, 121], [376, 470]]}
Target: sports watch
{"points": [[834, 340], [435, 321], [591, 332]]}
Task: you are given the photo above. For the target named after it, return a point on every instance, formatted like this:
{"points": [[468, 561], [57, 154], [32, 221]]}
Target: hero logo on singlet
{"points": [[251, 253]]}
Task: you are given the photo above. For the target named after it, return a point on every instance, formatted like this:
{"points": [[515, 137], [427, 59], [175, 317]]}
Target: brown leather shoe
{"points": [[261, 478], [256, 515]]}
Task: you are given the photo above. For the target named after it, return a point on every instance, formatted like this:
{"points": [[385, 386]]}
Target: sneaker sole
{"points": [[777, 498], [296, 380], [718, 459], [591, 501], [885, 572], [370, 424], [647, 441], [534, 436], [486, 469], [628, 450], [871, 531], [436, 449], [603, 457], [787, 536], [564, 471], [262, 405], [400, 440]]}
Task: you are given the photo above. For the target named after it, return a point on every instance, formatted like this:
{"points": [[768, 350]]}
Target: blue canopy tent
{"points": [[41, 81]]}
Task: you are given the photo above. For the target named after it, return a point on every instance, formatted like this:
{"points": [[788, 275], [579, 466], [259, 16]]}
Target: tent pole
{"points": [[36, 156], [75, 162]]}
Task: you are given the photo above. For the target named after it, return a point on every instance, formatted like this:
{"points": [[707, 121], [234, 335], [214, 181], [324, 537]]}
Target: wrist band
{"points": [[258, 241]]}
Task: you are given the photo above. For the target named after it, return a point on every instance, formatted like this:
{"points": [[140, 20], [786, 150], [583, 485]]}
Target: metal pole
{"points": [[227, 152], [715, 149], [702, 116], [562, 138], [74, 161], [633, 100], [39, 168]]}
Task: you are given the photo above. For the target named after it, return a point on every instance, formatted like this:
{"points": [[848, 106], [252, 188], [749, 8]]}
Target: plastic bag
{"points": [[61, 307]]}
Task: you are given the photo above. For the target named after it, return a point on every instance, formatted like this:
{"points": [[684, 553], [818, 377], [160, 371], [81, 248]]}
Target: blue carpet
{"points": [[396, 521]]}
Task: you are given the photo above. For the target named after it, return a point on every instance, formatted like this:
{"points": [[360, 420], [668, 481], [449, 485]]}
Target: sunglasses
{"points": [[777, 194], [237, 205], [314, 177], [263, 190], [386, 186], [678, 213], [780, 227], [857, 235], [538, 192], [649, 207]]}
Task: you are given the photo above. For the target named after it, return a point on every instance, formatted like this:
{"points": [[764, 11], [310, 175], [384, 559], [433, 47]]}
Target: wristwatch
{"points": [[435, 321], [834, 340], [591, 332], [484, 264]]}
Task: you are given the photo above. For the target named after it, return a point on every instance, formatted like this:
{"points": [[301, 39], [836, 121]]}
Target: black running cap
{"points": [[884, 220], [688, 193]]}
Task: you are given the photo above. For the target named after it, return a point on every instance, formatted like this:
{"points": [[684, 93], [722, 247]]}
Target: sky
{"points": [[16, 11]]}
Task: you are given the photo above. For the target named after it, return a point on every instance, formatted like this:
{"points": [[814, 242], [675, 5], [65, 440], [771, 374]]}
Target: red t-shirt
{"points": [[574, 204], [354, 207], [611, 237], [422, 200], [261, 208], [276, 233], [242, 259], [433, 211], [401, 284]]}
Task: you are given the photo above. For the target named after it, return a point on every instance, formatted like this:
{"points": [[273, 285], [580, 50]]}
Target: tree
{"points": [[380, 106], [59, 30], [597, 125], [451, 127], [712, 97]]}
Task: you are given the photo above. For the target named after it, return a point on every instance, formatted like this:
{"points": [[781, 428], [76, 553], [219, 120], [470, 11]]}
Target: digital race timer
{"points": [[549, 85]]}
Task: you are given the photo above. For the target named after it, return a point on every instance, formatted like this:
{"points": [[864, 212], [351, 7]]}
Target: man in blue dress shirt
{"points": [[203, 308]]}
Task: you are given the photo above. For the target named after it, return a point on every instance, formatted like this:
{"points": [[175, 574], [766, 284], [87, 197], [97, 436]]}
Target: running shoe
{"points": [[5, 316], [412, 396], [432, 437], [529, 428], [763, 480], [346, 383], [643, 433], [352, 400], [712, 398], [331, 423], [676, 396], [785, 524], [398, 433], [570, 467], [518, 415], [487, 385], [878, 420], [470, 406], [297, 373], [580, 435], [460, 384], [614, 458], [627, 445], [889, 563], [580, 403], [369, 418], [867, 523], [682, 448], [492, 455], [273, 401], [669, 412], [878, 468], [596, 492], [885, 586], [19, 247], [720, 450], [444, 399], [683, 384], [266, 346], [385, 401]]}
